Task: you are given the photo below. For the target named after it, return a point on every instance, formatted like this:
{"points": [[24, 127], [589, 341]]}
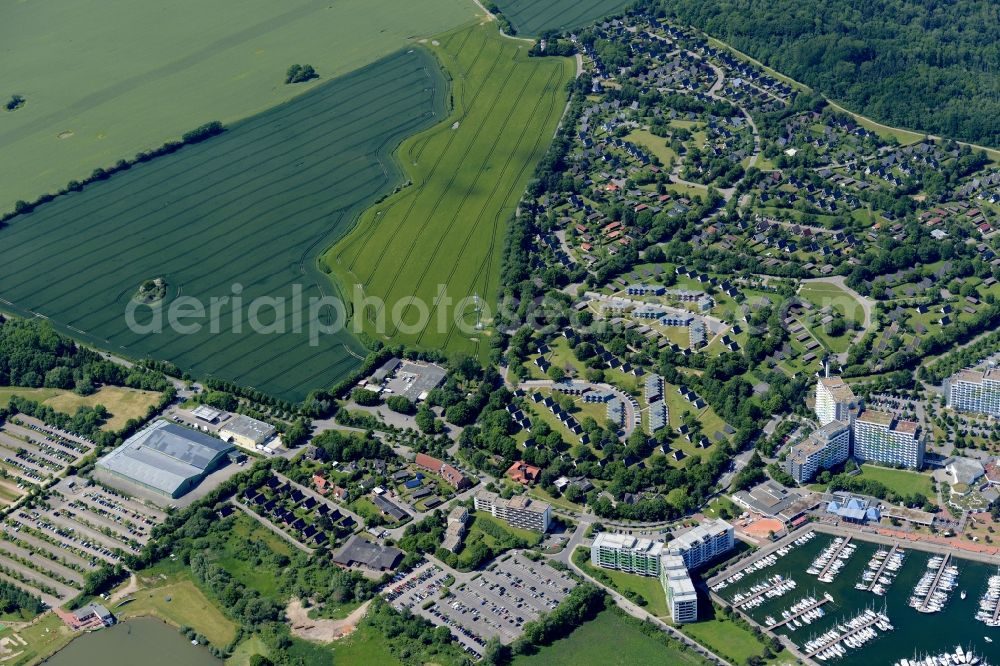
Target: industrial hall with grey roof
{"points": [[166, 458]]}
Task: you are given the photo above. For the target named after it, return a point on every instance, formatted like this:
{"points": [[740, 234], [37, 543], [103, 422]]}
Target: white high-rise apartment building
{"points": [[975, 391], [824, 448], [834, 400], [681, 596], [701, 544], [885, 438]]}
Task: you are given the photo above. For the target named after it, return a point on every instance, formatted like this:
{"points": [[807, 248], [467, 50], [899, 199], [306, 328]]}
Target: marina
{"points": [[849, 597], [956, 657], [989, 604], [802, 612], [773, 587], [854, 633], [829, 563], [882, 570], [934, 588]]}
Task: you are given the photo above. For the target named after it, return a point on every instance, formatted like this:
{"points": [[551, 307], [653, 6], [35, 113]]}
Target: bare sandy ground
{"points": [[322, 631]]}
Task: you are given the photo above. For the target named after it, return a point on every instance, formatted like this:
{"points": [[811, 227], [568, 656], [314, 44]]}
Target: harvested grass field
{"points": [[106, 79], [532, 17], [252, 207], [468, 174], [123, 403]]}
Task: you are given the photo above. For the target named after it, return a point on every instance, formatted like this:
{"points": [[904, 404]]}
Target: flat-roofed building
{"points": [[166, 458], [455, 530], [626, 553], [885, 438], [518, 511], [677, 586], [826, 447], [247, 432], [975, 391], [703, 543], [834, 400]]}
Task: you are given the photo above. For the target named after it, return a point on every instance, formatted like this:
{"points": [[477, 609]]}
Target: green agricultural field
{"points": [[245, 213], [532, 17], [611, 640], [468, 173], [106, 79]]}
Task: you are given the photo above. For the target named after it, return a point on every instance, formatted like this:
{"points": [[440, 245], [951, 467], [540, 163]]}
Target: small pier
{"points": [[834, 556], [878, 574], [822, 600], [937, 579]]}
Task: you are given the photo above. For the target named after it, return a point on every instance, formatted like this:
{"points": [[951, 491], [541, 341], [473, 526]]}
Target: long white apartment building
{"points": [[975, 391], [826, 447], [677, 586], [518, 511], [626, 553], [835, 400], [702, 543], [885, 438]]}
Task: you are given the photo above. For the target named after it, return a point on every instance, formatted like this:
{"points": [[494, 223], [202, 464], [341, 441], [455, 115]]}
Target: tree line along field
{"points": [[468, 173], [253, 206], [105, 79], [533, 17]]}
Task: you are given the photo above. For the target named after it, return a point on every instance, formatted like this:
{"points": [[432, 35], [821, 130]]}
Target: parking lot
{"points": [[495, 603]]}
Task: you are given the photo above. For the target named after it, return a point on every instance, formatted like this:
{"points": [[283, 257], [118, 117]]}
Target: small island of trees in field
{"points": [[300, 74], [14, 103]]}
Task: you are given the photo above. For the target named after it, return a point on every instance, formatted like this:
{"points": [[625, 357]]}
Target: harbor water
{"points": [[914, 633]]}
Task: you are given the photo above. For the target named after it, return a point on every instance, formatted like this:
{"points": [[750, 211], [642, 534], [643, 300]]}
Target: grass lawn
{"points": [[610, 640], [901, 481], [123, 403], [725, 638], [467, 174], [92, 105], [648, 587], [45, 636], [823, 294], [364, 646], [712, 510], [246, 650], [656, 144], [179, 602]]}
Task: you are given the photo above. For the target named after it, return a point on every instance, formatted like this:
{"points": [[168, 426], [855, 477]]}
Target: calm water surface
{"points": [[143, 641]]}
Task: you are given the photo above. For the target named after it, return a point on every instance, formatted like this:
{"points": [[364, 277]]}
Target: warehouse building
{"points": [[247, 432], [166, 458]]}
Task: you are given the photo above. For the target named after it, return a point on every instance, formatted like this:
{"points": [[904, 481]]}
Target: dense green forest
{"points": [[927, 65]]}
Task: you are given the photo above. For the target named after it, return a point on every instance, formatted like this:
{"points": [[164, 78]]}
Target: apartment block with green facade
{"points": [[626, 553]]}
